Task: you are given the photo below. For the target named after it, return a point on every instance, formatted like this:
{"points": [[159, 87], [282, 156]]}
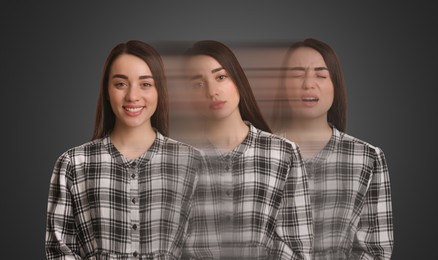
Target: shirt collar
{"points": [[143, 159], [329, 147], [240, 149]]}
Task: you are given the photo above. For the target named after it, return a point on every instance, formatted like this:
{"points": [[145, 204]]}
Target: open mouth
{"points": [[310, 99], [133, 109]]}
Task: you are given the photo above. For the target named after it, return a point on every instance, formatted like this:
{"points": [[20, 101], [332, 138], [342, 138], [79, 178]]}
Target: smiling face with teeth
{"points": [[308, 84], [132, 92]]}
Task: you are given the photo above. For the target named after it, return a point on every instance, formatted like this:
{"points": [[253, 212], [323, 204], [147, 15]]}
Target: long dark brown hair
{"points": [[248, 106], [105, 118], [337, 114]]}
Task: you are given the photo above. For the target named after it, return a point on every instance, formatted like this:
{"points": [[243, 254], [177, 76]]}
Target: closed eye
{"points": [[296, 75], [323, 74]]}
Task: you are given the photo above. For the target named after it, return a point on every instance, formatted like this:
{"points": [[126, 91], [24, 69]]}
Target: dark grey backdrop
{"points": [[53, 52]]}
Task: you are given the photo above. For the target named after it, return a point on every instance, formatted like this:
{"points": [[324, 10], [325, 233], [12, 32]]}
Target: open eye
{"points": [[198, 84], [221, 77], [146, 84], [120, 84]]}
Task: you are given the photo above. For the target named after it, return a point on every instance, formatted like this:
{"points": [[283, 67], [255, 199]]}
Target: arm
{"points": [[294, 228], [61, 241], [374, 238]]}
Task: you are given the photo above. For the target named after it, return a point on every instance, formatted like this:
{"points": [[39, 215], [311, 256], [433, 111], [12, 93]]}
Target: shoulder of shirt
{"points": [[344, 137], [85, 146], [181, 145], [81, 150], [276, 138]]}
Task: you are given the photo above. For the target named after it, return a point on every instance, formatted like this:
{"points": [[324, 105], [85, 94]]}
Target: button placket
{"points": [[227, 163], [134, 209], [227, 198], [228, 182]]}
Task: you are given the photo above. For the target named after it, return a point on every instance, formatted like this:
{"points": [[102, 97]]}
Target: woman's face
{"points": [[309, 87], [132, 92], [214, 93]]}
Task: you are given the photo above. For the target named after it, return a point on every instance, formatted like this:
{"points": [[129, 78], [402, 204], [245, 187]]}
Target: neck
{"points": [[226, 134], [132, 142], [310, 135]]}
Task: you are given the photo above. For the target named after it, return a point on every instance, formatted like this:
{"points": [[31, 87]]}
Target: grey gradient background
{"points": [[53, 52]]}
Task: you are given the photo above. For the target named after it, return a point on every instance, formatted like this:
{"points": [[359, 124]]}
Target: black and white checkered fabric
{"points": [[253, 203], [103, 206]]}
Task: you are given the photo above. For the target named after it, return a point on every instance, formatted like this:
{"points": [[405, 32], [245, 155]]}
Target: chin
{"points": [[218, 116]]}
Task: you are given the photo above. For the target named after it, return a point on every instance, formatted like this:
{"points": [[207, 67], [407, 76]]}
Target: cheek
{"points": [[110, 94], [328, 99], [152, 96], [114, 97], [330, 94], [292, 83], [232, 92], [199, 98], [291, 93], [202, 105], [199, 106]]}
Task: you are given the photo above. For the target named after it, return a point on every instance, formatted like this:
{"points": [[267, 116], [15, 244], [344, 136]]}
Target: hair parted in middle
{"points": [[337, 114], [248, 106], [105, 118]]}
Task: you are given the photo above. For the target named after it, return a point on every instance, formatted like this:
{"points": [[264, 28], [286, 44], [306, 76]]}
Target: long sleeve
{"points": [[294, 228], [61, 241], [374, 237]]}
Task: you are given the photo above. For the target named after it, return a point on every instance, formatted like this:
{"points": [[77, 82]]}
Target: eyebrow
{"points": [[198, 76], [302, 68], [126, 77], [216, 70]]}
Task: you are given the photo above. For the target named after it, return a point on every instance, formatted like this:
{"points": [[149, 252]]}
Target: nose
{"points": [[309, 81], [212, 89], [132, 93]]}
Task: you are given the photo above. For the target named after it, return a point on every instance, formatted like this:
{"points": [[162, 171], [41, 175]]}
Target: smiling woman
{"points": [[126, 193], [133, 98]]}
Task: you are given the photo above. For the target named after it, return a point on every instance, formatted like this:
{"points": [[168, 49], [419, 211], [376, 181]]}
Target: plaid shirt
{"points": [[103, 206], [351, 198], [253, 204]]}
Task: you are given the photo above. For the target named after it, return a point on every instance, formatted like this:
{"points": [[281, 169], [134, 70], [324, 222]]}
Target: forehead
{"points": [[129, 65], [202, 64], [305, 57]]}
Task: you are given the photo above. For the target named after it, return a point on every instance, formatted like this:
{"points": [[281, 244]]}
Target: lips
{"points": [[133, 110], [310, 99], [217, 105]]}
